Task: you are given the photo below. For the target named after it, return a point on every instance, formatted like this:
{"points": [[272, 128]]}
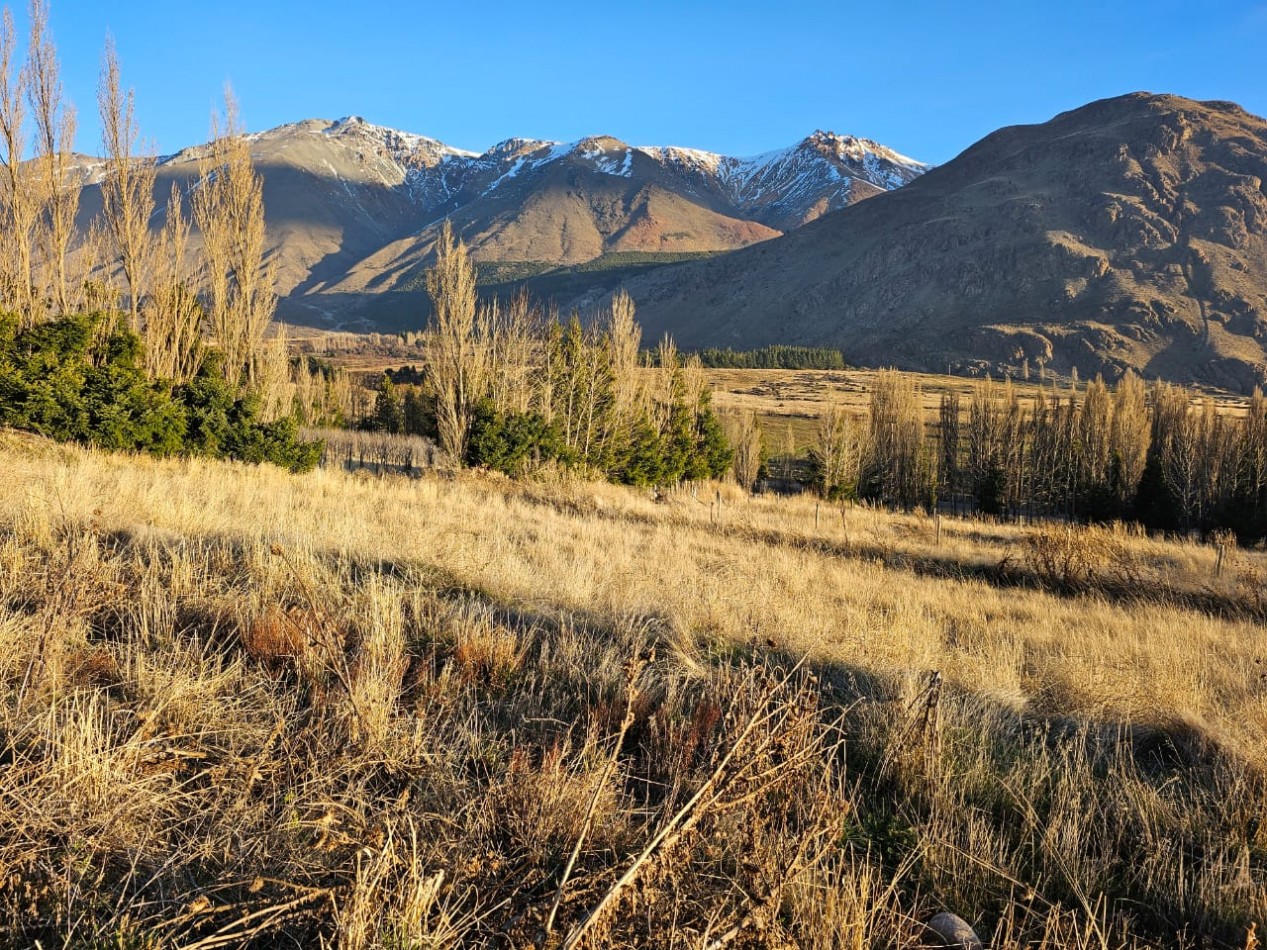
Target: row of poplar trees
{"points": [[509, 387], [1162, 455], [204, 278]]}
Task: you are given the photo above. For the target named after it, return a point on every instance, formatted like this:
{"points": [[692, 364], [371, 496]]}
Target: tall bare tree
{"points": [[127, 193], [457, 357], [18, 206], [745, 436], [1095, 438], [950, 428], [840, 451], [660, 393], [896, 440], [1177, 435], [274, 382], [1132, 433], [229, 210], [626, 338], [59, 184], [513, 337], [172, 313]]}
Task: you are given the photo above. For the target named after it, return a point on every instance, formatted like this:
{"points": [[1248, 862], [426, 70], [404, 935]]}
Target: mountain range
{"points": [[1130, 233], [353, 209]]}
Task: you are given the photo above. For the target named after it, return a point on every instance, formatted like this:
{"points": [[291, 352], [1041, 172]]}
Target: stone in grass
{"points": [[953, 931]]}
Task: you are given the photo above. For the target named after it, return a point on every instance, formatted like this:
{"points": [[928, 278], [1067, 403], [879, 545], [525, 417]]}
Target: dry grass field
{"points": [[783, 400], [244, 708], [787, 399]]}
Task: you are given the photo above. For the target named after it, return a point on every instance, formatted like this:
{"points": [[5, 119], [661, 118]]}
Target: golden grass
{"points": [[387, 706], [602, 550], [797, 399]]}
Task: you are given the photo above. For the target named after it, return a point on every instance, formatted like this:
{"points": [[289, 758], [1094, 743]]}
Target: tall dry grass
{"points": [[242, 707]]}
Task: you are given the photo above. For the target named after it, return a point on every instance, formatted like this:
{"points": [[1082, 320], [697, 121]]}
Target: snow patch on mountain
{"points": [[782, 188], [406, 147]]}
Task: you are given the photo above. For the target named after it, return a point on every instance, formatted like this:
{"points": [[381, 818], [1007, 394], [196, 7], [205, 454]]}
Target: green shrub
{"points": [[82, 379], [510, 442]]}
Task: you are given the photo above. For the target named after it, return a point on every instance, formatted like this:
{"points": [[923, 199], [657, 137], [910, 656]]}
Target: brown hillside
{"points": [[569, 211], [1131, 232], [353, 208]]}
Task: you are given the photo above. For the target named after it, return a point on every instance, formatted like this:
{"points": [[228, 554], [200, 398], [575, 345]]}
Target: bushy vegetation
{"points": [[102, 318], [511, 389], [545, 276], [83, 379], [773, 357], [689, 445], [1159, 456], [620, 260]]}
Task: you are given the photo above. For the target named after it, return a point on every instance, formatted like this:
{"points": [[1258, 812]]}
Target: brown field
{"points": [[795, 399], [243, 708], [783, 400]]}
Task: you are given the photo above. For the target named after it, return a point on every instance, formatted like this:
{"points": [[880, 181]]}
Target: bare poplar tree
{"points": [[127, 192], [172, 314], [595, 391], [789, 452], [1177, 434], [694, 382], [229, 210], [1217, 458], [626, 338], [985, 466], [58, 183], [951, 427], [93, 254], [1012, 455], [1095, 438], [513, 337], [273, 380], [1041, 452], [1132, 433], [840, 452], [1253, 452], [18, 206], [745, 435], [458, 371], [896, 439], [660, 394]]}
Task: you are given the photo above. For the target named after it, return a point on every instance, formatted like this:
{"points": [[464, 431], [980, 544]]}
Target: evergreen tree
{"points": [[389, 413]]}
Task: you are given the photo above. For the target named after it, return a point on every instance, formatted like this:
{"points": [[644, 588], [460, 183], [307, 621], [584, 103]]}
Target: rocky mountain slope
{"points": [[353, 209], [1131, 232]]}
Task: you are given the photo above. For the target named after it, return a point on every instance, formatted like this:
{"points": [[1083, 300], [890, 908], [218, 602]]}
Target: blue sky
{"points": [[741, 77]]}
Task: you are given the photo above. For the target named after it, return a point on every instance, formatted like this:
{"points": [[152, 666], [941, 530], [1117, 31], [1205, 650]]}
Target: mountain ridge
{"points": [[353, 208], [1129, 233]]}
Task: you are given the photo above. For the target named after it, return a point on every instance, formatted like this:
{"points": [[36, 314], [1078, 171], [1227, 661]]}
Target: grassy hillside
{"points": [[242, 707]]}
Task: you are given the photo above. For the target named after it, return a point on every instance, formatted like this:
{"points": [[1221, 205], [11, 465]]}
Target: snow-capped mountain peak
{"points": [[691, 160], [852, 148], [405, 147], [782, 189]]}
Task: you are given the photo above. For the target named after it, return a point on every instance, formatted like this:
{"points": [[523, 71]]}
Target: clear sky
{"points": [[738, 77]]}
